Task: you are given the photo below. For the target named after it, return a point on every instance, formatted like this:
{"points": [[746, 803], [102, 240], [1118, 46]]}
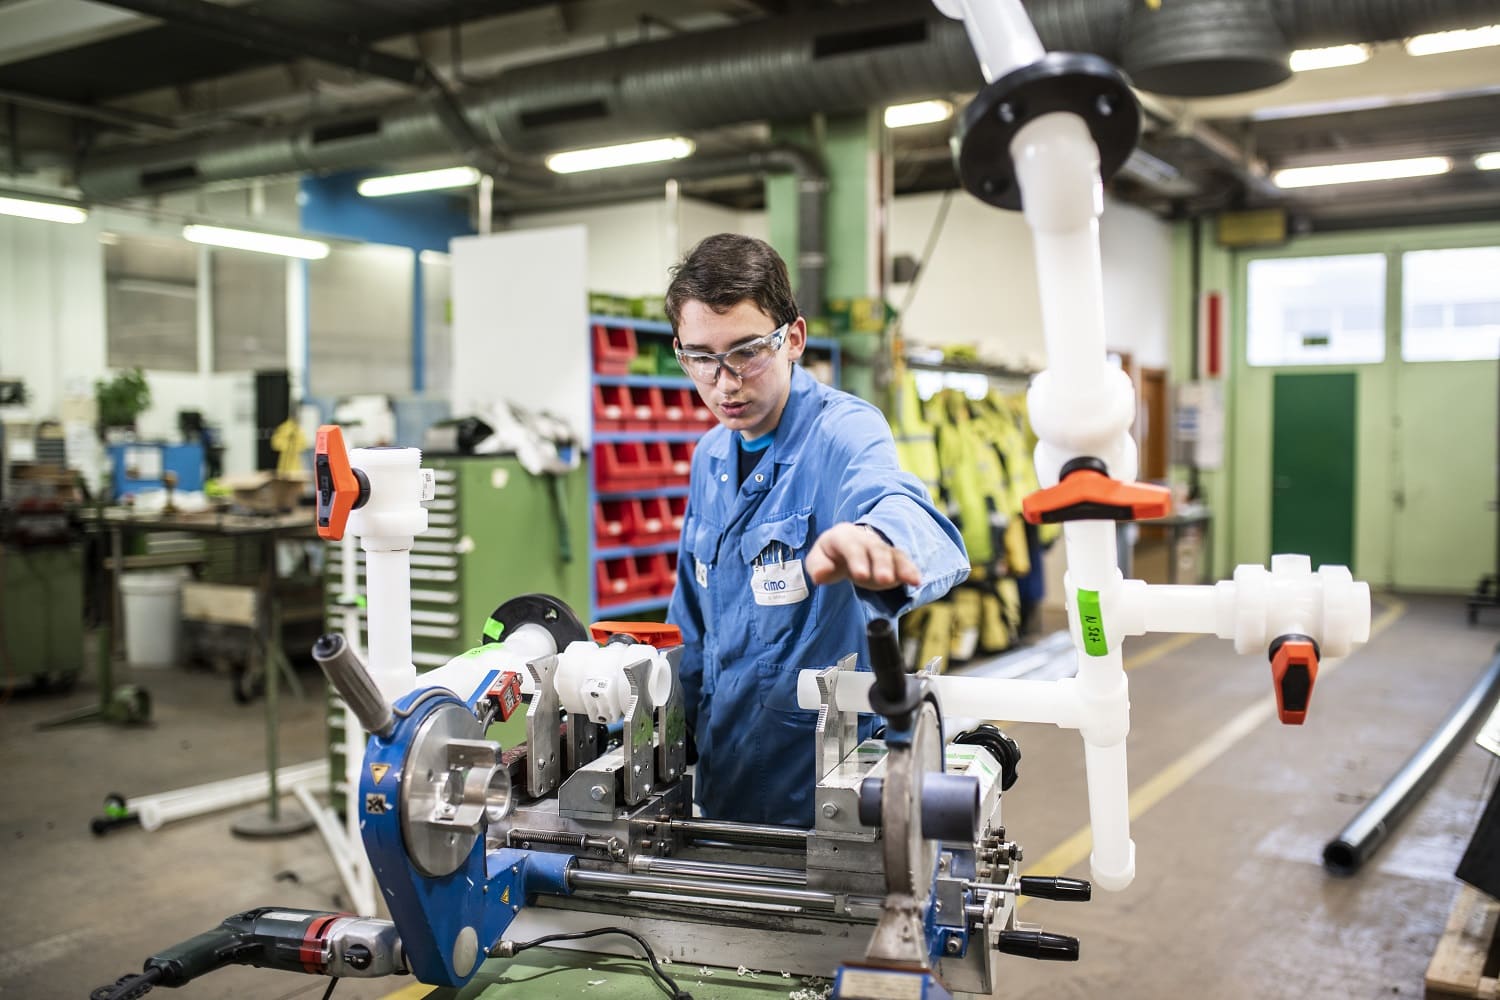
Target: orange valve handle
{"points": [[648, 633], [1085, 492], [1294, 670], [341, 488]]}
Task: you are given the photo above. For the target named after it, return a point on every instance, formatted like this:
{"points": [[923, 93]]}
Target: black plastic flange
{"points": [[1005, 750], [1087, 85], [535, 609]]}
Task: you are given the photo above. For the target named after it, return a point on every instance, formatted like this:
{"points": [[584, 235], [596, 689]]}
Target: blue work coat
{"points": [[832, 459]]}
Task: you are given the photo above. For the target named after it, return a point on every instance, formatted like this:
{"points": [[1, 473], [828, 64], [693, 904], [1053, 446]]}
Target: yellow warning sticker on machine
{"points": [[377, 771], [505, 896]]}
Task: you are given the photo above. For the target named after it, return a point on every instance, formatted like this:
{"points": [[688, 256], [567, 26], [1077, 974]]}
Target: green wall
{"points": [[847, 145], [1426, 461]]}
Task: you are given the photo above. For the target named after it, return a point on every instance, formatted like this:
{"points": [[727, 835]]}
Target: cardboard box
{"points": [[266, 492]]}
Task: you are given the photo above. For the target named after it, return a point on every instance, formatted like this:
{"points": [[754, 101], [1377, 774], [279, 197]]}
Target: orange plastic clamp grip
{"points": [[651, 633], [1294, 671], [337, 487], [1089, 495]]}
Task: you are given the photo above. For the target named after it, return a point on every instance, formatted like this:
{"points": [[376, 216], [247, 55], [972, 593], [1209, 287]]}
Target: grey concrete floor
{"points": [[1230, 900]]}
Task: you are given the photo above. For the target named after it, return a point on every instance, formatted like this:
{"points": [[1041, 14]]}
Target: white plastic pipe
{"points": [[999, 31], [465, 672], [387, 524], [1054, 702], [590, 678], [182, 803]]}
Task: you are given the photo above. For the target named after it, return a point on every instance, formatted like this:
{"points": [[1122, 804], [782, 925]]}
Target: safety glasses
{"points": [[744, 362]]}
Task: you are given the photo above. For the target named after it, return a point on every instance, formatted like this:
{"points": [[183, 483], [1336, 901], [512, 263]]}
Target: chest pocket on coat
{"points": [[773, 545]]}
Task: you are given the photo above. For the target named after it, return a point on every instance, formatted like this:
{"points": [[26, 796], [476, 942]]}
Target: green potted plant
{"points": [[120, 400]]}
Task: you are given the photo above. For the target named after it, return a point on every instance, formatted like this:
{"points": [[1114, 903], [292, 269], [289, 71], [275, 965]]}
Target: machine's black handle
{"points": [[1064, 890], [885, 660], [894, 694], [199, 955], [1039, 945]]}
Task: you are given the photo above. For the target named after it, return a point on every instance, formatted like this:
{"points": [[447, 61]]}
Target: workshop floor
{"points": [[1232, 811]]}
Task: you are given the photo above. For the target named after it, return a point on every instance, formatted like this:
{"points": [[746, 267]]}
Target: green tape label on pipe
{"points": [[1091, 623], [493, 629]]}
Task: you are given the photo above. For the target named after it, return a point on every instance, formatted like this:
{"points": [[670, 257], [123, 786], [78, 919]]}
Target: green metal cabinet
{"points": [[41, 617]]}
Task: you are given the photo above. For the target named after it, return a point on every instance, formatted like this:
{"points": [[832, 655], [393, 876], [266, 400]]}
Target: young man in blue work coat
{"points": [[800, 527]]}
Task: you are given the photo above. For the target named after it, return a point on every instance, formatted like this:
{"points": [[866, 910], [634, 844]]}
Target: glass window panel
{"points": [[249, 305], [437, 293], [1316, 311], [359, 321], [1451, 304], [151, 303]]}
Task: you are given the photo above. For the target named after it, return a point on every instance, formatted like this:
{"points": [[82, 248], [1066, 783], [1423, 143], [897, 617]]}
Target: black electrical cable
{"points": [[673, 990], [331, 984], [128, 987]]}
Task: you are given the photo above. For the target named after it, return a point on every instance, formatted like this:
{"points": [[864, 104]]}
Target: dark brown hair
{"points": [[724, 270]]}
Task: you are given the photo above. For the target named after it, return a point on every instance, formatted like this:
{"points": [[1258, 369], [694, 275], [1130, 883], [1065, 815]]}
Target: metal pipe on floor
{"points": [[1344, 854]]}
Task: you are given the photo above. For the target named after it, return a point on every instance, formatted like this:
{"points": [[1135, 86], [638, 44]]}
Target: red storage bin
{"points": [[658, 464], [609, 407], [681, 458], [614, 349], [643, 409], [620, 580], [676, 409], [700, 416], [663, 573], [624, 465], [655, 522], [668, 580], [677, 514], [616, 522]]}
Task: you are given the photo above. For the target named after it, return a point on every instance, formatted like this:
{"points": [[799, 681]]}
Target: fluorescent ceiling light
{"points": [[1335, 55], [1488, 161], [422, 180], [1353, 173], [244, 239], [47, 211], [1453, 41], [628, 154], [918, 113]]}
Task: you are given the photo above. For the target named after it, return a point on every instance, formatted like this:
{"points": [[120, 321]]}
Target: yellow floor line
{"points": [[1075, 849], [416, 991], [1156, 652]]}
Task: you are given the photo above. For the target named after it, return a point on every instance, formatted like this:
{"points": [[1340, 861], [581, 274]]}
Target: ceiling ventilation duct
{"points": [[1204, 48]]}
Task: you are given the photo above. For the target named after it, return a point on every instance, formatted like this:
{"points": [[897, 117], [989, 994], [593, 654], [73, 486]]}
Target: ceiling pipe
{"points": [[778, 69]]}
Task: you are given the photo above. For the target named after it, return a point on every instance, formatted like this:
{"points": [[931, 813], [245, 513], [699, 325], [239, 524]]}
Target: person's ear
{"points": [[796, 339]]}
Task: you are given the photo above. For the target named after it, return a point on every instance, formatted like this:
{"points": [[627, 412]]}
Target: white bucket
{"points": [[153, 618]]}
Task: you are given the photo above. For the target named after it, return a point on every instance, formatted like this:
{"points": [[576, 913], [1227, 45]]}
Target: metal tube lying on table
{"points": [[721, 870], [741, 833], [1344, 854], [620, 882]]}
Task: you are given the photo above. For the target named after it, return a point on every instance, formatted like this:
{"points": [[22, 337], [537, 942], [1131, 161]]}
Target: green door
{"points": [[1312, 467]]}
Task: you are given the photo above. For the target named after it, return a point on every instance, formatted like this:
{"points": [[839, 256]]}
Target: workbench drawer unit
{"points": [[494, 532], [647, 421]]}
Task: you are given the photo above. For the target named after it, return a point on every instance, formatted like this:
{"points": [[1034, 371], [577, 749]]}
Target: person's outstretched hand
{"points": [[858, 554]]}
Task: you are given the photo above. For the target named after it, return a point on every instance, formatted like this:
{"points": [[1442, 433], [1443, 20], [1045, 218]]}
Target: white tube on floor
{"points": [[165, 807]]}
